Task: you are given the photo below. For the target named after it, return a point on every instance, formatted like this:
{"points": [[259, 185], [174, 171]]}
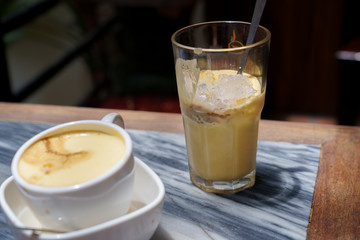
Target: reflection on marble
{"points": [[277, 207]]}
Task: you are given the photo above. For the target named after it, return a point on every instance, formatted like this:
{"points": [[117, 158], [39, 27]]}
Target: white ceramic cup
{"points": [[86, 204]]}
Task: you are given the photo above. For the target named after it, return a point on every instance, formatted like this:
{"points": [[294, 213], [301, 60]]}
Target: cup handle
{"points": [[114, 118]]}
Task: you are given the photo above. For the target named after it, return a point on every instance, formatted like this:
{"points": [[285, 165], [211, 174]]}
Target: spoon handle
{"points": [[258, 11], [36, 231]]}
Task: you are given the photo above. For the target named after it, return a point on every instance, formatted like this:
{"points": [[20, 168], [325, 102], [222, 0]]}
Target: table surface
{"points": [[336, 202]]}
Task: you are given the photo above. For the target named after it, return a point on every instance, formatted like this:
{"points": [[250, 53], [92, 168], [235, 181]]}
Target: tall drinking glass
{"points": [[220, 105]]}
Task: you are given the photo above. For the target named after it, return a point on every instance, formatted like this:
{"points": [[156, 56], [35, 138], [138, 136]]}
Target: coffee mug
{"points": [[66, 189]]}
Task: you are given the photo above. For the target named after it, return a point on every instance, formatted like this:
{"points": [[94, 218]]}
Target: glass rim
{"points": [[258, 43]]}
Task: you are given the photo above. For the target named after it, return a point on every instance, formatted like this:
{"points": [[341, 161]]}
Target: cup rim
{"points": [[77, 187], [236, 49]]}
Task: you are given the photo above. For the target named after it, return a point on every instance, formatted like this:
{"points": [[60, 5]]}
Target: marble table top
{"points": [[277, 207]]}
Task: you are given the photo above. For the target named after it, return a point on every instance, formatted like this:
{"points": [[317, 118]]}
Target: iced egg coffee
{"points": [[221, 122], [70, 158]]}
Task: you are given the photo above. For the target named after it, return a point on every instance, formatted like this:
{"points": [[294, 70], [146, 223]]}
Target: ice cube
{"points": [[217, 91], [187, 74], [230, 88], [202, 93]]}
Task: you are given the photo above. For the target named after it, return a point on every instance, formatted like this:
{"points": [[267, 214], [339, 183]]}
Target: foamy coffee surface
{"points": [[70, 158]]}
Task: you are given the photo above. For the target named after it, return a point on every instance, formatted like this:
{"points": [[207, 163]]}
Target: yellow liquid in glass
{"points": [[222, 143]]}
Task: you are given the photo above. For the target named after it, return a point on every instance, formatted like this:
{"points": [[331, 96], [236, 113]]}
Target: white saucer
{"points": [[140, 223]]}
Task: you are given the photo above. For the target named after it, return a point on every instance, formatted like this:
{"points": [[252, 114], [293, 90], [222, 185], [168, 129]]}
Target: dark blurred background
{"points": [[315, 51]]}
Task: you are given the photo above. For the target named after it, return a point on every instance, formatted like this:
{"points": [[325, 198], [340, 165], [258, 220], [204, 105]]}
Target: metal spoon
{"points": [[258, 11], [35, 231]]}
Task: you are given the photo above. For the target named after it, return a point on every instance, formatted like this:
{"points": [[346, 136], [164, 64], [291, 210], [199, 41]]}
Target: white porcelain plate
{"points": [[138, 224]]}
